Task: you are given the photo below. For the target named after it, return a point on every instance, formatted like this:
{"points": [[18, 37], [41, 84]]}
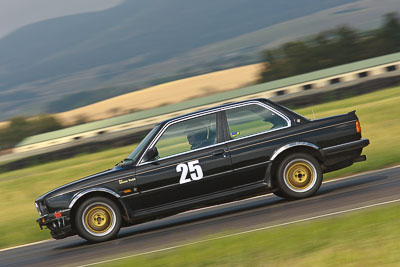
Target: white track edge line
{"points": [[26, 245], [329, 181], [244, 232]]}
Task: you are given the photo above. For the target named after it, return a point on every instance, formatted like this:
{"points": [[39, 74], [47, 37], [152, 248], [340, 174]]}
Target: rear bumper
{"points": [[333, 150], [343, 155], [59, 224]]}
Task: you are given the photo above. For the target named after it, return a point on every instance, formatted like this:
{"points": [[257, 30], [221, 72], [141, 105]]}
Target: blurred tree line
{"points": [[21, 127], [331, 48]]}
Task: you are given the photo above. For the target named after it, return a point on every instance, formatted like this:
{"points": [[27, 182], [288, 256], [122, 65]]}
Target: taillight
{"points": [[358, 127]]}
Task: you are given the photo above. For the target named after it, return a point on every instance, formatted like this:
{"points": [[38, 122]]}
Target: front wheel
{"points": [[98, 219], [299, 176]]}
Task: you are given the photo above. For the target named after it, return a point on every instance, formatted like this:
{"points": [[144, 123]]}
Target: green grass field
{"points": [[378, 112], [366, 238]]}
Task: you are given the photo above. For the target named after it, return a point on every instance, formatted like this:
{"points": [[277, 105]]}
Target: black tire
{"points": [[98, 219], [299, 176], [279, 194]]}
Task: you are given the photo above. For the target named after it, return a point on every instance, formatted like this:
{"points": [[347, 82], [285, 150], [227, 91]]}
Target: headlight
{"points": [[41, 208], [37, 208]]}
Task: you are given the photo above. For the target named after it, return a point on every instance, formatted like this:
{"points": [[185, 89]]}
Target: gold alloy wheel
{"points": [[99, 219], [300, 175]]}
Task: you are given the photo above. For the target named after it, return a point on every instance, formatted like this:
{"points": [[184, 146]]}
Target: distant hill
{"points": [[15, 14], [140, 43]]}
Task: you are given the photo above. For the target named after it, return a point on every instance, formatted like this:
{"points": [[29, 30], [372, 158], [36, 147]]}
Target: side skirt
{"points": [[211, 199]]}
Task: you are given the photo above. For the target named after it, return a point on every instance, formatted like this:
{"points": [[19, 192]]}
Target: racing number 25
{"points": [[196, 173]]}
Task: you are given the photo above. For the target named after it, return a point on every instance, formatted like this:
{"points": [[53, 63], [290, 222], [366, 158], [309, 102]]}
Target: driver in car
{"points": [[197, 137]]}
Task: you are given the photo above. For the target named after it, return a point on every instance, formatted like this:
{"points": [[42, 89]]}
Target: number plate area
{"points": [[190, 171]]}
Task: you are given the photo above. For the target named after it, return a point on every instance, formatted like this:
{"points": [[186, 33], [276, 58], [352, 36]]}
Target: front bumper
{"points": [[59, 224]]}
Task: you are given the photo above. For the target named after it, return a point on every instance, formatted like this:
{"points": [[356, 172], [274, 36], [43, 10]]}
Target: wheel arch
{"points": [[286, 150], [80, 197]]}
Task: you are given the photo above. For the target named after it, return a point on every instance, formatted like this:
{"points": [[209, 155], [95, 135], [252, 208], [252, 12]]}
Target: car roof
{"points": [[263, 100]]}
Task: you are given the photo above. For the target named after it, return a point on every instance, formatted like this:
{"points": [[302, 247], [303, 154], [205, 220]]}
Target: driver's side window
{"points": [[187, 135]]}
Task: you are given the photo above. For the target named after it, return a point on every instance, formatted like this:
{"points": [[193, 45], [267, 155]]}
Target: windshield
{"points": [[135, 153]]}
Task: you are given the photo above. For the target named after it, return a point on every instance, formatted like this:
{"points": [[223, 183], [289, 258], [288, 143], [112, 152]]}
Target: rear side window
{"points": [[252, 119]]}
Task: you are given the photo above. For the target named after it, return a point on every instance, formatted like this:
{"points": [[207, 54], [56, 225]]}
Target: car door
{"points": [[251, 128], [191, 161]]}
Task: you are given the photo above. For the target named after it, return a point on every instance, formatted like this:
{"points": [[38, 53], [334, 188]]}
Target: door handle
{"points": [[219, 152]]}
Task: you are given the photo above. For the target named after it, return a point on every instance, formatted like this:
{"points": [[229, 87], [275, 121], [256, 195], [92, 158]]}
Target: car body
{"points": [[211, 156]]}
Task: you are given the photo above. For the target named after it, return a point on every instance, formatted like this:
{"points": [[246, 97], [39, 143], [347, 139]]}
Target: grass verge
{"points": [[366, 238], [378, 113]]}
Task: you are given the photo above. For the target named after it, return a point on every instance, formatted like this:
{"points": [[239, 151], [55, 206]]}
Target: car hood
{"points": [[80, 183]]}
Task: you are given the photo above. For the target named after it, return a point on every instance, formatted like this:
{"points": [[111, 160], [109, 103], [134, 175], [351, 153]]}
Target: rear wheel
{"points": [[98, 219], [299, 176], [279, 194]]}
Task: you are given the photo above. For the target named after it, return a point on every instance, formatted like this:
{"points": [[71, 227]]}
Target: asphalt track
{"points": [[246, 215]]}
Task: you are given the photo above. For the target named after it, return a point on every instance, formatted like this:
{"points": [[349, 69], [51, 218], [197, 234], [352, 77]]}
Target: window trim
{"points": [[224, 124], [165, 127], [158, 136], [280, 114]]}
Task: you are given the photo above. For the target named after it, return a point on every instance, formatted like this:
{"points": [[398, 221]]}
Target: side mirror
{"points": [[151, 154]]}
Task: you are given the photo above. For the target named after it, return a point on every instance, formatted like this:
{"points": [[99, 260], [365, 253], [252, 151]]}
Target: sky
{"points": [[17, 13]]}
